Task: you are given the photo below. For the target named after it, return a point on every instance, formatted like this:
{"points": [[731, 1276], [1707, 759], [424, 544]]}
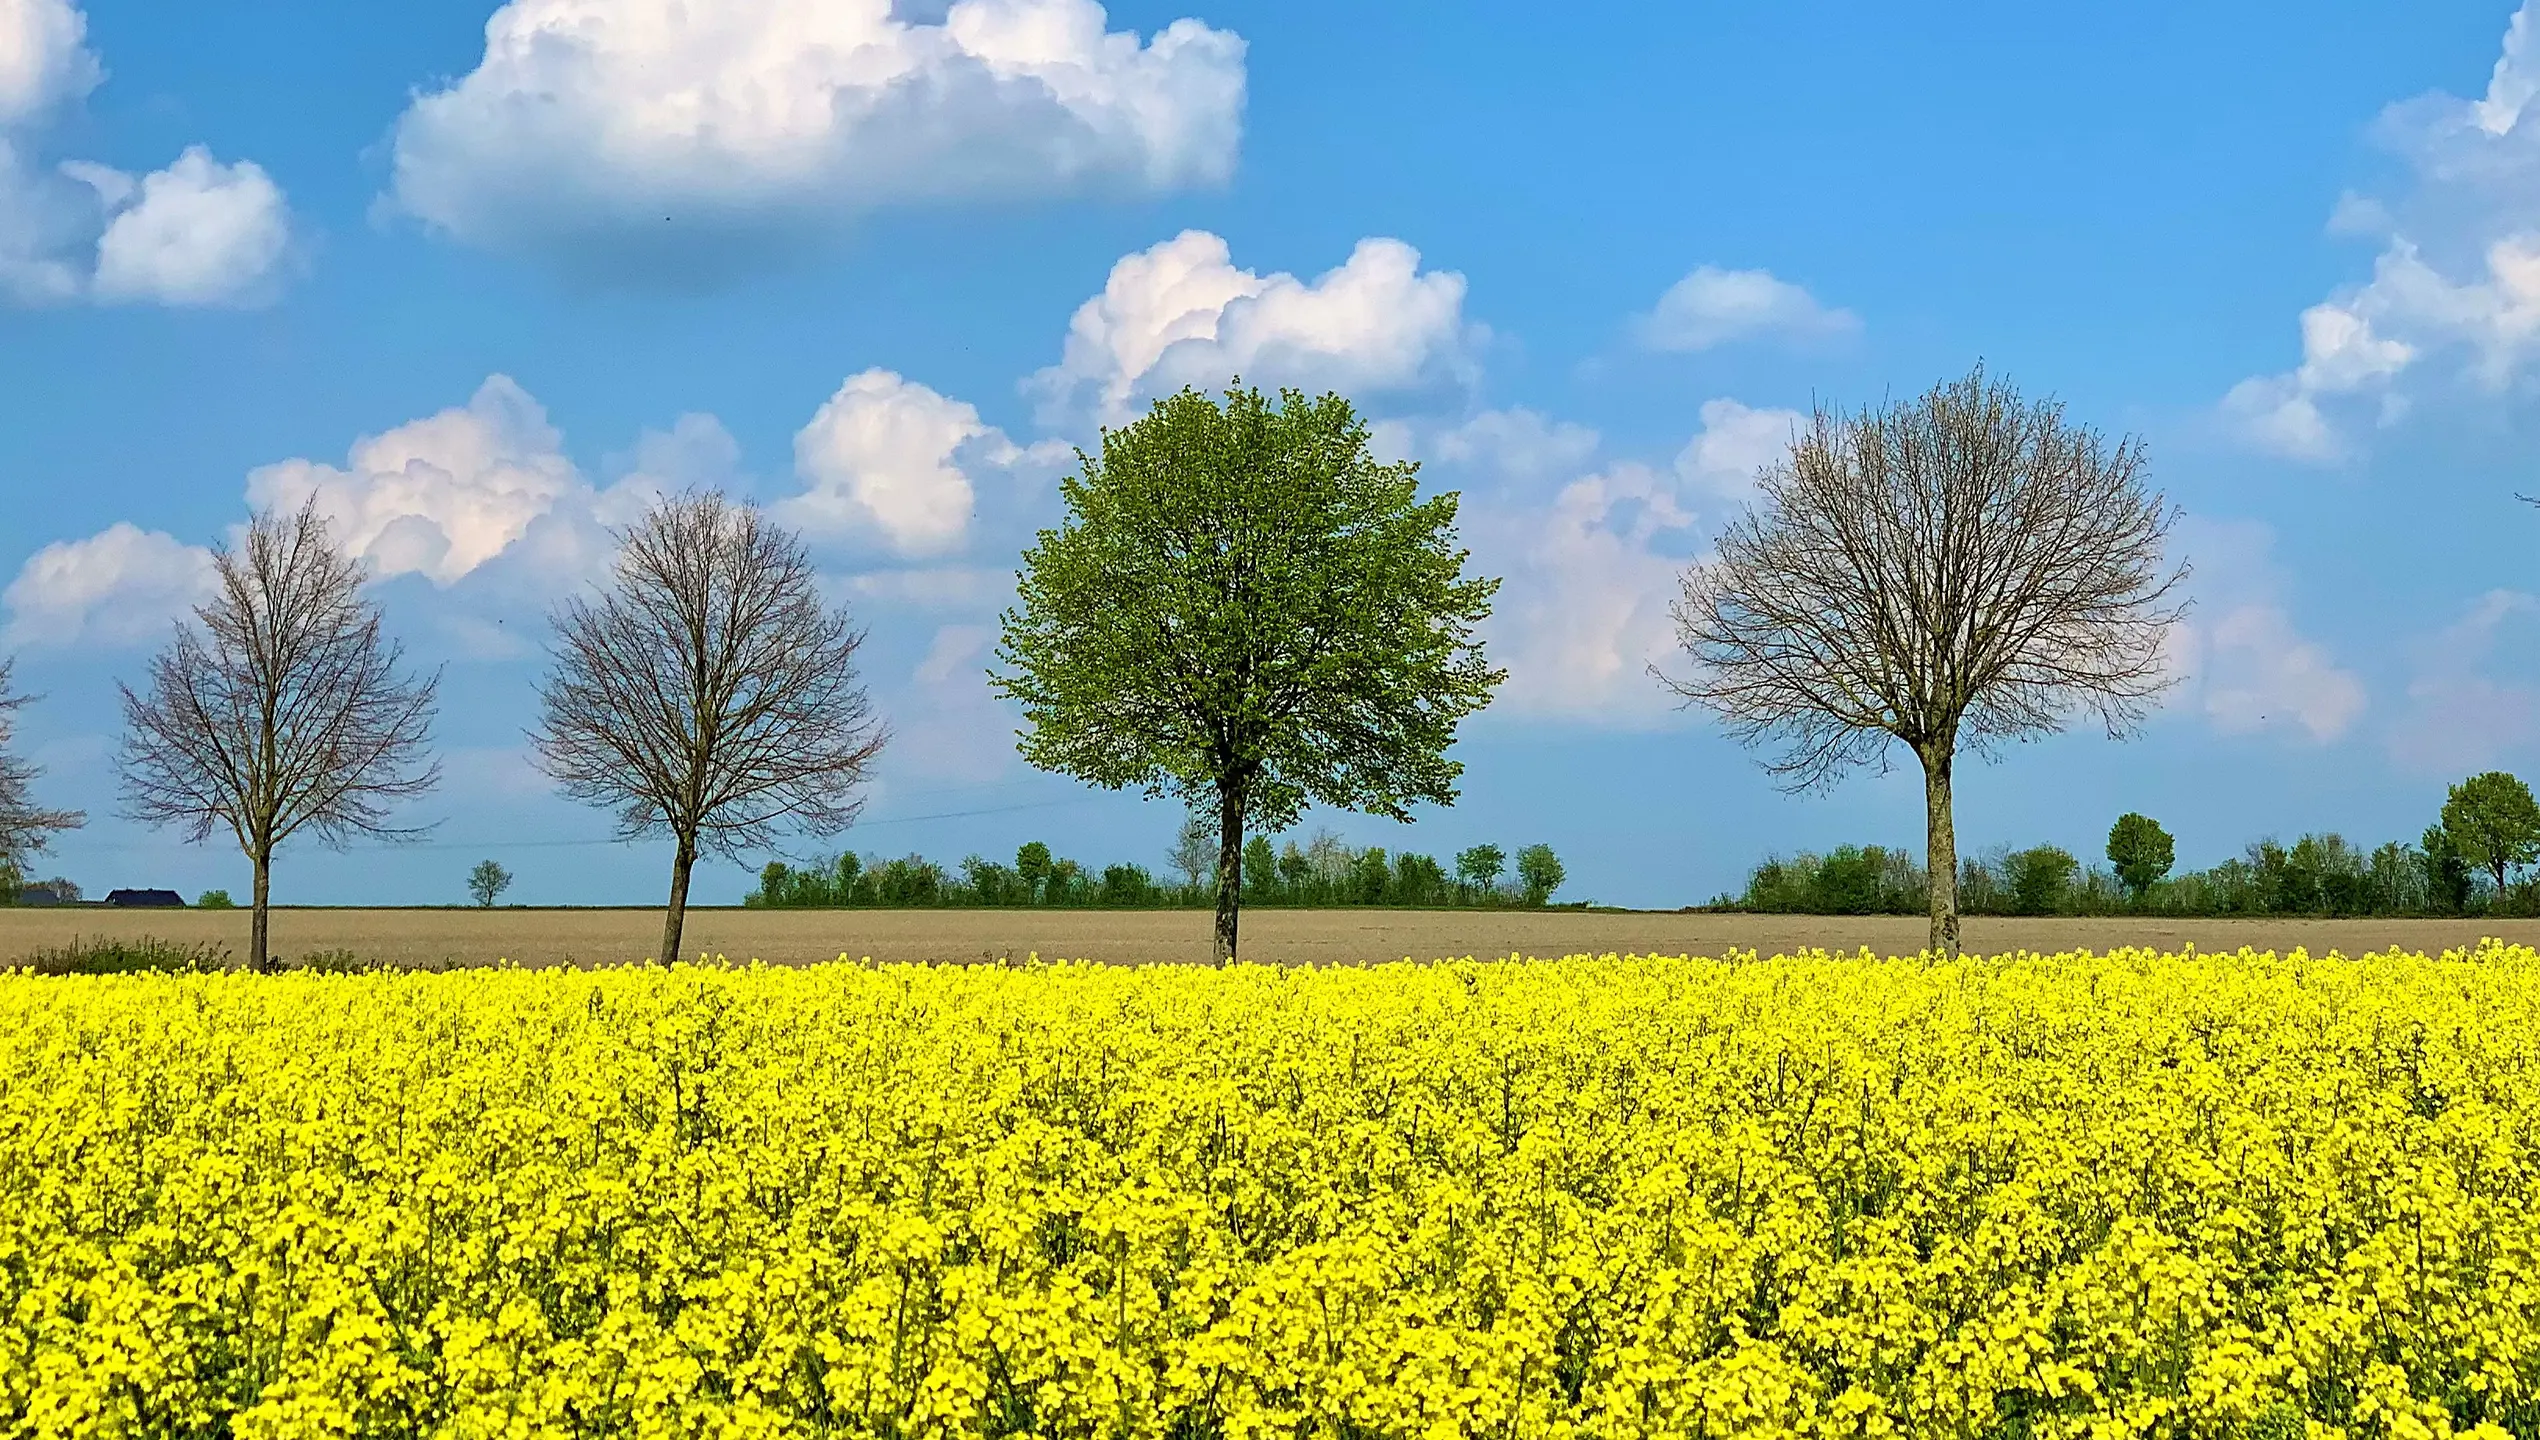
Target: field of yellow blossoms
{"points": [[2133, 1194]]}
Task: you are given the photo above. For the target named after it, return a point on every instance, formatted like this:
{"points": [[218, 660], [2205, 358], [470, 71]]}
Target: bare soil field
{"points": [[434, 937]]}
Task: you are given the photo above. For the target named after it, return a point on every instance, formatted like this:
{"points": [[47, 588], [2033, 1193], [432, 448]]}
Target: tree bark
{"points": [[259, 957], [1940, 855], [1230, 873], [675, 919]]}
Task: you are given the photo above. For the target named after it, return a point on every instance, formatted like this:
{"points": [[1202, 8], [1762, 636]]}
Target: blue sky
{"points": [[482, 280]]}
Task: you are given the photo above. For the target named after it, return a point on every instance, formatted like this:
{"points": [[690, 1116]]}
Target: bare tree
{"points": [[280, 710], [1958, 571], [709, 692], [25, 828]]}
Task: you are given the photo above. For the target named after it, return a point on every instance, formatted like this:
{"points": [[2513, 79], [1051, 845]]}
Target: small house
{"points": [[144, 898]]}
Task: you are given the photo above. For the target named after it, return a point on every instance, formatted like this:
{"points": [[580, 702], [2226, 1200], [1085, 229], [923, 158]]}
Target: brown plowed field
{"points": [[548, 937]]}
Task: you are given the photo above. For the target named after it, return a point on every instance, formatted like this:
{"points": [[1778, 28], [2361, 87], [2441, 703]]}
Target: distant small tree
{"points": [[1417, 880], [1066, 882], [1245, 609], [1194, 852], [2141, 851], [1295, 868], [1539, 872], [1370, 876], [2446, 873], [1479, 868], [710, 692], [487, 882], [2039, 877], [215, 900], [280, 710], [1953, 572], [1032, 866], [1260, 868], [2494, 823]]}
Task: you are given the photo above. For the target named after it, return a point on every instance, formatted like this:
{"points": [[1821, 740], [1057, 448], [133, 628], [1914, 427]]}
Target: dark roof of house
{"points": [[144, 897], [39, 895]]}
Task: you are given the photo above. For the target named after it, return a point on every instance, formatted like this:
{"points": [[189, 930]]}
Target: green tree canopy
{"points": [[2493, 823], [487, 882], [2040, 875], [2141, 850], [1539, 870], [1245, 610]]}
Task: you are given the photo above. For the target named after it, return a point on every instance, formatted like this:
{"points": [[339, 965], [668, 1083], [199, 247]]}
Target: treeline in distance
{"points": [[1321, 872], [2474, 860]]}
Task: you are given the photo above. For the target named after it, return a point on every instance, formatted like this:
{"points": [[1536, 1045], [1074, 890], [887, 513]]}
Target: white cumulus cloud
{"points": [[640, 123], [1736, 442], [1181, 313], [438, 496], [2242, 662], [2455, 290], [890, 457], [196, 233], [1712, 306], [44, 58], [1591, 570], [120, 585]]}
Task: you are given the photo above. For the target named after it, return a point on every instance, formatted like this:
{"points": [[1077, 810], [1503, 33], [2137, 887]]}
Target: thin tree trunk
{"points": [[675, 919], [260, 958], [1940, 855], [1230, 873]]}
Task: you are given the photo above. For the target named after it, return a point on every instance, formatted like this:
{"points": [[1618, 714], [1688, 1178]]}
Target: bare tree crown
{"points": [[282, 709], [709, 691], [1965, 569], [26, 828]]}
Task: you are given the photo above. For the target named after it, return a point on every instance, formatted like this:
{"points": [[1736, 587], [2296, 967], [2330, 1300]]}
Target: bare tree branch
{"points": [[1963, 570], [709, 692], [280, 710], [26, 829]]}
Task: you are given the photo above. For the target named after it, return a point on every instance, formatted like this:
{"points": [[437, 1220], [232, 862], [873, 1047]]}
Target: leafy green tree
{"points": [[2142, 851], [2446, 873], [487, 882], [1066, 882], [2039, 877], [1479, 868], [1245, 610], [2494, 823], [1370, 876], [215, 900], [1417, 880], [1032, 864], [1539, 872], [1295, 868], [1260, 868], [1847, 882]]}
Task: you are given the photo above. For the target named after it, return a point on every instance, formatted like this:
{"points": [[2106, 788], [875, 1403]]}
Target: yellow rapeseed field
{"points": [[2134, 1194]]}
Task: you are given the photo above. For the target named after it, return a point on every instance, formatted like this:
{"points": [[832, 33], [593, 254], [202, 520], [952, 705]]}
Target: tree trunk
{"points": [[1230, 873], [1940, 854], [260, 958], [675, 918]]}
